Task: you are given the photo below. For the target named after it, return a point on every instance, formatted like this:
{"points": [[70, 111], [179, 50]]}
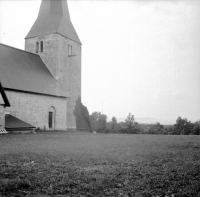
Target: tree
{"points": [[183, 126], [130, 120], [98, 121], [168, 130], [131, 124], [196, 128], [156, 128], [101, 125], [94, 120], [82, 116], [114, 125]]}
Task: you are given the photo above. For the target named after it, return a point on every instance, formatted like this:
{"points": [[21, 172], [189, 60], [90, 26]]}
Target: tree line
{"points": [[100, 124]]}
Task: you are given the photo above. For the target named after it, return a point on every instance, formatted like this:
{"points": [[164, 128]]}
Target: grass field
{"points": [[89, 165]]}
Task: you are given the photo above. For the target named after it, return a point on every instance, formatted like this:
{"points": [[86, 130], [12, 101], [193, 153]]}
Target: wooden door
{"points": [[50, 120]]}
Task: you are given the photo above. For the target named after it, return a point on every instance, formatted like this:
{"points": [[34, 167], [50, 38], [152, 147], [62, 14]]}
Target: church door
{"points": [[51, 119]]}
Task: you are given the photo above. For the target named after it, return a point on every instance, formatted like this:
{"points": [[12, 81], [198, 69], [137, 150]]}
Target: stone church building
{"points": [[43, 82]]}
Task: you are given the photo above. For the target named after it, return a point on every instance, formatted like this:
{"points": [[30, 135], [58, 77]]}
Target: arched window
{"points": [[41, 46], [37, 47]]}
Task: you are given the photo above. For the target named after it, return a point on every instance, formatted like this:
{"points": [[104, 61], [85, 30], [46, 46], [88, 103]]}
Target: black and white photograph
{"points": [[99, 98]]}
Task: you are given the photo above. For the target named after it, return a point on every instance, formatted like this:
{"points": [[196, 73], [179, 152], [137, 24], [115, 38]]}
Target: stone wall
{"points": [[66, 68], [34, 109], [2, 116]]}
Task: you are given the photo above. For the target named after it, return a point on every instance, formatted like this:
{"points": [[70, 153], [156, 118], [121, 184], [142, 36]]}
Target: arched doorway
{"points": [[51, 118]]}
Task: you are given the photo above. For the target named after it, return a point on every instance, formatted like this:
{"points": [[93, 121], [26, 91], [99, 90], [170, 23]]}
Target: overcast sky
{"points": [[139, 56]]}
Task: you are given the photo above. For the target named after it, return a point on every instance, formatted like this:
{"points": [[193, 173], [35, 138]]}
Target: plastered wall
{"points": [[2, 116], [34, 109]]}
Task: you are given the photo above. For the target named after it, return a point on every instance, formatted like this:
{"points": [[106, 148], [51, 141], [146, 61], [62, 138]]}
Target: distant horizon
{"points": [[149, 120]]}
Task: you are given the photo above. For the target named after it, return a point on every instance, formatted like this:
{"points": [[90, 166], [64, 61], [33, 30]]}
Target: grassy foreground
{"points": [[89, 165]]}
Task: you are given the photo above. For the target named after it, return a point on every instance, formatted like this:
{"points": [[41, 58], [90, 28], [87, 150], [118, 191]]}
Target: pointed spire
{"points": [[53, 17]]}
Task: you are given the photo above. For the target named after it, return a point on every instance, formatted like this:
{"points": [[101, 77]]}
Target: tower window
{"points": [[37, 47], [41, 46]]}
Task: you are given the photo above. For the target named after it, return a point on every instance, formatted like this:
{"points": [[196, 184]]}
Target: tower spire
{"points": [[53, 17]]}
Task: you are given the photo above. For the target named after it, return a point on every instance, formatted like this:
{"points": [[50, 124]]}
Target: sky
{"points": [[139, 57]]}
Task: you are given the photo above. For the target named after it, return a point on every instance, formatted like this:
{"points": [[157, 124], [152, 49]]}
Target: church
{"points": [[43, 82]]}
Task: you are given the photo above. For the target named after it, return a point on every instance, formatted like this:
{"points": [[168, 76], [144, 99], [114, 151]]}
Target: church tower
{"points": [[54, 38]]}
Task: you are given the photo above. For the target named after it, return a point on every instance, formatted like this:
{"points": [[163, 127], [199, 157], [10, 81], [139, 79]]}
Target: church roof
{"points": [[53, 17], [13, 123], [24, 71]]}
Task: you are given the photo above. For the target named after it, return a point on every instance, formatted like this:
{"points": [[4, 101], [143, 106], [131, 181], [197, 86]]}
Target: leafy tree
{"points": [[183, 126], [122, 127], [101, 125], [156, 128], [94, 120], [131, 124], [82, 116], [168, 130], [98, 121], [130, 120], [114, 125], [196, 128]]}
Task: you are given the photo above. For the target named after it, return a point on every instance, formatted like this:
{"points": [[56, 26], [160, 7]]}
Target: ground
{"points": [[90, 165]]}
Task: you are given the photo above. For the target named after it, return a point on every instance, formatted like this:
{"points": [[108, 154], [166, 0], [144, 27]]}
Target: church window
{"points": [[41, 46], [69, 50], [37, 47]]}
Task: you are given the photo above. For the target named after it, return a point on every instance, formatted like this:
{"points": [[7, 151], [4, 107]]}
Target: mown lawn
{"points": [[90, 165]]}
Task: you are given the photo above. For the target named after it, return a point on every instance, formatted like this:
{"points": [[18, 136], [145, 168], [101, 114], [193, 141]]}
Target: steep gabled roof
{"points": [[24, 71], [4, 97], [53, 17]]}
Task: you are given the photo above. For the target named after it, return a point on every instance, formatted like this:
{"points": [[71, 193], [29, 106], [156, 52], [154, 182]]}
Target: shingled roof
{"points": [[53, 17], [24, 71], [13, 123]]}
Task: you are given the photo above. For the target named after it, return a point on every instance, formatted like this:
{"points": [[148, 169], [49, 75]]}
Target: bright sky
{"points": [[139, 56]]}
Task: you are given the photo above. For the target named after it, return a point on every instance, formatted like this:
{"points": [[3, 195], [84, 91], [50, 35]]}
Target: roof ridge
{"points": [[19, 49]]}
